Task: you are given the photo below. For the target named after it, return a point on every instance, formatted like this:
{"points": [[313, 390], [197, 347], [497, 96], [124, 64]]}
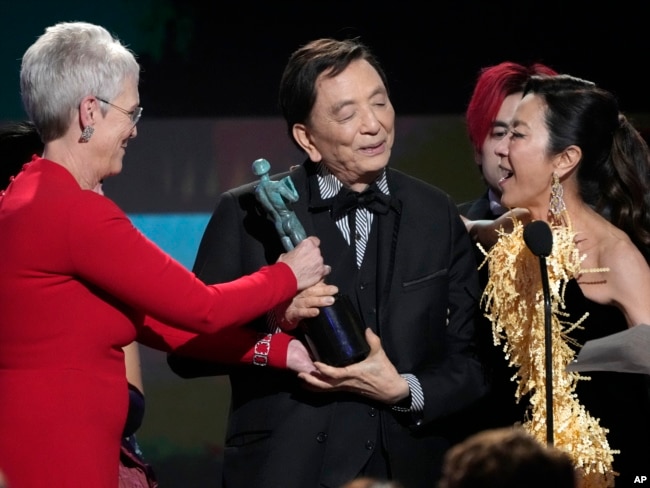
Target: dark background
{"points": [[206, 58], [228, 62]]}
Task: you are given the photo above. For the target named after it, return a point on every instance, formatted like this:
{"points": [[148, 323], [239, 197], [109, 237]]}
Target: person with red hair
{"points": [[496, 93]]}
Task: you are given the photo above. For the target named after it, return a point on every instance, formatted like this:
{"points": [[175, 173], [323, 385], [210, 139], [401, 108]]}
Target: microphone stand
{"points": [[539, 239], [548, 347]]}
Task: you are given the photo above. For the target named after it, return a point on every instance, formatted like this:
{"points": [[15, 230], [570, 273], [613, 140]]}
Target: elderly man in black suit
{"points": [[401, 252]]}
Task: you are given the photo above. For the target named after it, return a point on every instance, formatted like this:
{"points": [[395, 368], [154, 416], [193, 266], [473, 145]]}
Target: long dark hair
{"points": [[614, 172]]}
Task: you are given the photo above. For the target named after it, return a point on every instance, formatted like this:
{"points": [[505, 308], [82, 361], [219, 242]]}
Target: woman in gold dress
{"points": [[574, 161]]}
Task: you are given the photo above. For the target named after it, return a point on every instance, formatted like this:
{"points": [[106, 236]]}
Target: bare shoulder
{"points": [[628, 281], [603, 244], [617, 251], [616, 273]]}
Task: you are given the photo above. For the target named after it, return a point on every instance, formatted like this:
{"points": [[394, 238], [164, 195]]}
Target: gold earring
{"points": [[557, 206]]}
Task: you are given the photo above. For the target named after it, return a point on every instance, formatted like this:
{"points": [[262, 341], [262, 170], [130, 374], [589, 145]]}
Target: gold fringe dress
{"points": [[514, 303]]}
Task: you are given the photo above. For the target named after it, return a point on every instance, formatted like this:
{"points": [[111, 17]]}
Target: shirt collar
{"points": [[329, 185], [495, 203]]}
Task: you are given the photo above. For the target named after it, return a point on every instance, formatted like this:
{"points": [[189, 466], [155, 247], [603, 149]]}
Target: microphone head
{"points": [[539, 238]]}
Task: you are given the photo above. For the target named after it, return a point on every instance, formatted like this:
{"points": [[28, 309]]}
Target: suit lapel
{"points": [[387, 235]]}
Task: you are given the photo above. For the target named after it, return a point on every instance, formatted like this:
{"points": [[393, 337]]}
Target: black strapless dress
{"points": [[621, 401]]}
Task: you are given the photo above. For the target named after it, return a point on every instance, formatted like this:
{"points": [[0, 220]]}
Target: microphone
{"points": [[539, 239]]}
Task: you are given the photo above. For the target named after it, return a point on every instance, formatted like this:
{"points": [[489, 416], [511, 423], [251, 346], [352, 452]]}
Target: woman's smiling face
{"points": [[527, 167]]}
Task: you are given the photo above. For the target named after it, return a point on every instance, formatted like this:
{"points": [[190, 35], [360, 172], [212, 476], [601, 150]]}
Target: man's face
{"points": [[488, 160], [351, 127]]}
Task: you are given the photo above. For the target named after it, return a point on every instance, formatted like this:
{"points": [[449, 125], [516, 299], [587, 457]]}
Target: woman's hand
{"points": [[305, 305], [298, 358], [485, 232], [306, 262]]}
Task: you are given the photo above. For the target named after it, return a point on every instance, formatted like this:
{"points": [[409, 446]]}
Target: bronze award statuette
{"points": [[336, 336]]}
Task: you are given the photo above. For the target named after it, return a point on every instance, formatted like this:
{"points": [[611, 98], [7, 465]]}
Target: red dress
{"points": [[76, 279]]}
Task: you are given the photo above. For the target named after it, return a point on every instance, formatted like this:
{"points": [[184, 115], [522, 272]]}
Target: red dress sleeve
{"points": [[241, 345], [112, 254]]}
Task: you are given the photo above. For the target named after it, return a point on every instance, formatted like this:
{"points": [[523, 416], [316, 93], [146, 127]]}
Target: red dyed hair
{"points": [[494, 84]]}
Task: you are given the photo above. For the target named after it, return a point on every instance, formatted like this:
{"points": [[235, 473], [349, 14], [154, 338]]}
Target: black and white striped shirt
{"points": [[329, 187]]}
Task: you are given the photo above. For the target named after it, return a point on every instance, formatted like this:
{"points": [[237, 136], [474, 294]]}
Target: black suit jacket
{"points": [[279, 434], [498, 408], [478, 209]]}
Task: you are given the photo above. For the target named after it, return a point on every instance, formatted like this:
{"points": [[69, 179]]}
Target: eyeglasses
{"points": [[134, 114]]}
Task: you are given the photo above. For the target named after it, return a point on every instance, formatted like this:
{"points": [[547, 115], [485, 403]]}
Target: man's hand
{"points": [[375, 377]]}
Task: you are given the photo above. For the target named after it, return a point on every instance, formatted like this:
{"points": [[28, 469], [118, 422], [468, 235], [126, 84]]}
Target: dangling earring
{"points": [[87, 133], [557, 206]]}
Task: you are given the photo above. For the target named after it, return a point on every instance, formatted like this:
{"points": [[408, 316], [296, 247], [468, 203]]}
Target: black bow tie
{"points": [[371, 198]]}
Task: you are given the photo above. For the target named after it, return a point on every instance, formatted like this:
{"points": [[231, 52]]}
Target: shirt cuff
{"points": [[416, 394]]}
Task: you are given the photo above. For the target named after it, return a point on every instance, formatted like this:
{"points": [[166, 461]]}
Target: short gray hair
{"points": [[69, 61]]}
